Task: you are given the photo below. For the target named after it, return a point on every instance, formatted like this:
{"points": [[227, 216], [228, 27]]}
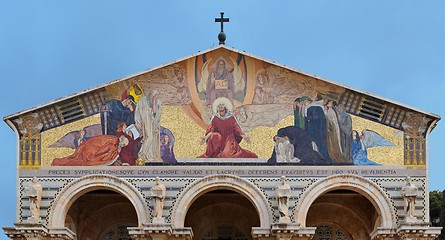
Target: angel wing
{"points": [[237, 76], [92, 130], [268, 115], [373, 139], [202, 85], [66, 141]]}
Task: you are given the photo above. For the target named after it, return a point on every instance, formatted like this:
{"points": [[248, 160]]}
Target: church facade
{"points": [[222, 145]]}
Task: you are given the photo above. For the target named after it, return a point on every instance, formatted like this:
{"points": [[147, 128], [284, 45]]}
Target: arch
{"points": [[353, 214], [70, 193], [341, 216], [220, 215], [216, 182], [334, 225], [356, 183], [114, 227]]}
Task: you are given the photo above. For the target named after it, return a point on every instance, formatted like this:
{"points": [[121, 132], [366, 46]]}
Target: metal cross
{"points": [[222, 35], [222, 20]]}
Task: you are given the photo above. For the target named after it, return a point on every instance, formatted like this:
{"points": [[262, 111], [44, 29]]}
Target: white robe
{"points": [[150, 122]]}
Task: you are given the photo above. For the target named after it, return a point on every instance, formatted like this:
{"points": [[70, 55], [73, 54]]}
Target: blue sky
{"points": [[50, 49]]}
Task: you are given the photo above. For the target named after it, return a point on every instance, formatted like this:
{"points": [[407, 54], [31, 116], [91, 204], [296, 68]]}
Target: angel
{"points": [[264, 91], [269, 115], [74, 138], [221, 82], [360, 144]]}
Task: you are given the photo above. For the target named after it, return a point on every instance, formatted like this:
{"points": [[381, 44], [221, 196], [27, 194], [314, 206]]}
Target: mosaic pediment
{"points": [[222, 105]]}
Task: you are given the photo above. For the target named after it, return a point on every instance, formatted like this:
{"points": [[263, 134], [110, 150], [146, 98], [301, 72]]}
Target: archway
{"points": [[102, 215], [342, 214], [331, 231], [222, 214], [73, 191], [231, 183], [353, 203]]}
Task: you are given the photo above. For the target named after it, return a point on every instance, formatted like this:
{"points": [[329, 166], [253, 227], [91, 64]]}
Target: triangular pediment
{"points": [[264, 97], [357, 102]]}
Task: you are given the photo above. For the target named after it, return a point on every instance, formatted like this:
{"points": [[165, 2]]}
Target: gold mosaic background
{"points": [[188, 135], [52, 135], [382, 155]]}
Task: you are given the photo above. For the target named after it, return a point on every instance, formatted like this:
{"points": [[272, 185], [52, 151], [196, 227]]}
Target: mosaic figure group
{"points": [[322, 135], [327, 125], [131, 134]]}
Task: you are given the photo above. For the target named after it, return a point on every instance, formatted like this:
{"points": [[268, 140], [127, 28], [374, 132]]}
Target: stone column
{"points": [[34, 236], [159, 232], [27, 231], [137, 233], [139, 237], [292, 231], [262, 234], [420, 231], [37, 231]]}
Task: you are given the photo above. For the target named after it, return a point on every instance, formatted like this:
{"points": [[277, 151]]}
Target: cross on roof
{"points": [[222, 35], [222, 20]]}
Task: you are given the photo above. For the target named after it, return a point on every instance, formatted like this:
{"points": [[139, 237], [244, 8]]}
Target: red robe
{"points": [[224, 140], [97, 150], [128, 153]]}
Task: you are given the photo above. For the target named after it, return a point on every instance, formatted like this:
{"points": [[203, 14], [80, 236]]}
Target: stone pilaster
{"points": [[383, 234], [37, 231], [159, 232], [419, 231], [292, 231], [262, 234], [28, 231], [305, 233]]}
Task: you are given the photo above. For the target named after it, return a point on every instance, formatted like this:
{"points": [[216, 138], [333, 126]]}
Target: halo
{"points": [[228, 63], [222, 100]]}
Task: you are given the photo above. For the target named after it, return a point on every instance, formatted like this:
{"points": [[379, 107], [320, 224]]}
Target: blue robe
{"points": [[116, 113], [303, 149], [315, 126], [167, 152], [167, 155], [359, 155]]}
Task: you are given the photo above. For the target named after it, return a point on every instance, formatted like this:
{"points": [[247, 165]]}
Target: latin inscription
{"points": [[197, 171]]}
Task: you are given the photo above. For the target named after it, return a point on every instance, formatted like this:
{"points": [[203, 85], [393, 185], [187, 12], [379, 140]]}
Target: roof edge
{"points": [[57, 100], [8, 117]]}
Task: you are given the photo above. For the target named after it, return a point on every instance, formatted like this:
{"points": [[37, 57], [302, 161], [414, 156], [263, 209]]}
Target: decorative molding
{"points": [[367, 188], [69, 194]]}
